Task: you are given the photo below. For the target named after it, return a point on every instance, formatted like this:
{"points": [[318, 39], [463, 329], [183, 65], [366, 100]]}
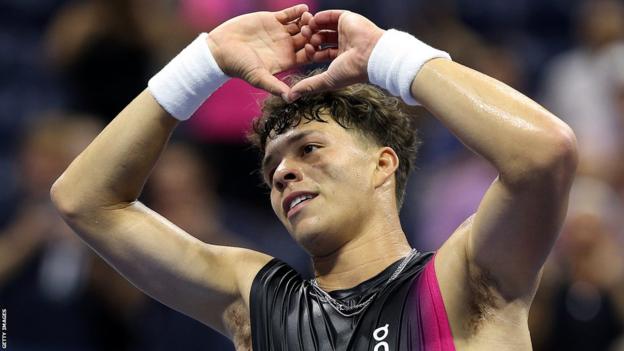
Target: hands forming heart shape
{"points": [[258, 45]]}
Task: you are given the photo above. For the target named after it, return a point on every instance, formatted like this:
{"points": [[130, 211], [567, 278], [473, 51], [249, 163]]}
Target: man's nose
{"points": [[286, 172]]}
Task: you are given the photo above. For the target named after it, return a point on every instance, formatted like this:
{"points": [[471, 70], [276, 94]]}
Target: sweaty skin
{"points": [[487, 271], [489, 268]]}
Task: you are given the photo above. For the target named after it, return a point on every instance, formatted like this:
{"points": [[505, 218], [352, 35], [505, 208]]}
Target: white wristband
{"points": [[396, 59], [188, 80]]}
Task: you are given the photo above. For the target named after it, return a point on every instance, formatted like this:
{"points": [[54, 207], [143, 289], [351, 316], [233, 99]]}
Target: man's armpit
{"points": [[237, 324], [483, 299]]}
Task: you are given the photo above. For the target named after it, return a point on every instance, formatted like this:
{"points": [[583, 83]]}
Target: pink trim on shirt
{"points": [[436, 329]]}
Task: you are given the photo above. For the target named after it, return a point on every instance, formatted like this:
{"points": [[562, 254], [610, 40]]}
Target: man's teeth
{"points": [[298, 200]]}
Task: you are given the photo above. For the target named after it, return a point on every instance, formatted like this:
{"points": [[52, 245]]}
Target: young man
{"points": [[336, 184]]}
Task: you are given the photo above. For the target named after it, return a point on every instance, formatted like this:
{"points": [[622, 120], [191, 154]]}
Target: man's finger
{"points": [[324, 39], [299, 41], [291, 13], [324, 55], [266, 81], [310, 85], [301, 58], [306, 31], [305, 18], [317, 55], [292, 28], [326, 20]]}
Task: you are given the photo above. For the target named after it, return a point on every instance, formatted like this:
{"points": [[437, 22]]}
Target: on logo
{"points": [[380, 334]]}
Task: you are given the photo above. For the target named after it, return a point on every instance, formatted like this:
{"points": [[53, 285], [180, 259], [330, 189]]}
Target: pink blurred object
{"points": [[275, 5], [226, 116], [203, 15]]}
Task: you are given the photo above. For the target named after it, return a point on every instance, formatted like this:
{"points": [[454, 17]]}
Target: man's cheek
{"points": [[275, 206]]}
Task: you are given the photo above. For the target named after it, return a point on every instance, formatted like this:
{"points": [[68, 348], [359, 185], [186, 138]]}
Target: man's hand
{"points": [[344, 37], [255, 46]]}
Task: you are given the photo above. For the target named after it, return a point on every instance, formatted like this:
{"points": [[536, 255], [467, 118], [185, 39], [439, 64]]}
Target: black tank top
{"points": [[287, 314]]}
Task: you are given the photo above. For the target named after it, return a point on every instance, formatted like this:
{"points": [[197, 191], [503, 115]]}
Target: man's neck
{"points": [[360, 259]]}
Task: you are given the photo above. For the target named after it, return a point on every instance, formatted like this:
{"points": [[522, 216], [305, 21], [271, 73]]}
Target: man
{"points": [[334, 186]]}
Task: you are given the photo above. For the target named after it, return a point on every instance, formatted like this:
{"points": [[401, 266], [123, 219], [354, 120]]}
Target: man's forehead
{"points": [[304, 129], [287, 138], [298, 132]]}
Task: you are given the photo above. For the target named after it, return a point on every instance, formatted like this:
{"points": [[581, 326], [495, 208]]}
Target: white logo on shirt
{"points": [[380, 334]]}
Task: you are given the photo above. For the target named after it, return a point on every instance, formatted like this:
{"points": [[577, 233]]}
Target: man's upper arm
{"points": [[198, 279], [514, 230]]}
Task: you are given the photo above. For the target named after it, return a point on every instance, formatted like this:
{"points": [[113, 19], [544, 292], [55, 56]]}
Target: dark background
{"points": [[67, 68]]}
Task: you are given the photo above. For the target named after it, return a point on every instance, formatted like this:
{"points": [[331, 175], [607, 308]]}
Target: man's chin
{"points": [[316, 242], [308, 236]]}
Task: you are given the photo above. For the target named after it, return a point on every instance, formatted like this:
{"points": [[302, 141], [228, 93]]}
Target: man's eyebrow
{"points": [[289, 140]]}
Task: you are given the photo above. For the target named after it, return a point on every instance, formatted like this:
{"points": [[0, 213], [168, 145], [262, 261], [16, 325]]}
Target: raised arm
{"points": [[519, 218], [511, 234], [97, 194]]}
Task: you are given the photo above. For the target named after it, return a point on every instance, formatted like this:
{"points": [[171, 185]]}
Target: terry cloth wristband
{"points": [[396, 59], [187, 80]]}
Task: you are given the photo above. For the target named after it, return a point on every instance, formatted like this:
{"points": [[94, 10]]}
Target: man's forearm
{"points": [[112, 170], [513, 132]]}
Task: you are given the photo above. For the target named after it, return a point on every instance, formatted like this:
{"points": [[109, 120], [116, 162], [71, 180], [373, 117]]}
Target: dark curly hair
{"points": [[363, 108]]}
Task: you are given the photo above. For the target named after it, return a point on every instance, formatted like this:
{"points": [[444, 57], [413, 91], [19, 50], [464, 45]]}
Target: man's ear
{"points": [[387, 164]]}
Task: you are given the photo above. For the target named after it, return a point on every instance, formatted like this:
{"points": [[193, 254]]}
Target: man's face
{"points": [[321, 179]]}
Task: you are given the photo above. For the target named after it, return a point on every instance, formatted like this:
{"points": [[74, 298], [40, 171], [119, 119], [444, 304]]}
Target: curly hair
{"points": [[363, 108]]}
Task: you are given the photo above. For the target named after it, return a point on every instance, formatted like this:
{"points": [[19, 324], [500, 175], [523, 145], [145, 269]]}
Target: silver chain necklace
{"points": [[350, 310]]}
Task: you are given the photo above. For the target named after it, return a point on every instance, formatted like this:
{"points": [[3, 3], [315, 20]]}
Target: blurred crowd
{"points": [[67, 67]]}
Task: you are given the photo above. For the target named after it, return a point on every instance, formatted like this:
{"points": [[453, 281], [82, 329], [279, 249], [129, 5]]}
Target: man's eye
{"points": [[309, 148]]}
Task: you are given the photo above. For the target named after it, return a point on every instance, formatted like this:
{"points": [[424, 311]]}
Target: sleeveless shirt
{"points": [[407, 314]]}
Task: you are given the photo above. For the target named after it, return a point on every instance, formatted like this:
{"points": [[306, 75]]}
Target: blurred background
{"points": [[67, 67]]}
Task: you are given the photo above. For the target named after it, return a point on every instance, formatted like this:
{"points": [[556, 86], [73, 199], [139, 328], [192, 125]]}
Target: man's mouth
{"points": [[296, 201]]}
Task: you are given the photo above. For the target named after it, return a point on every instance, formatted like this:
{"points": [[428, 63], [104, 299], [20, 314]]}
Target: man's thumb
{"points": [[310, 85], [266, 81]]}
